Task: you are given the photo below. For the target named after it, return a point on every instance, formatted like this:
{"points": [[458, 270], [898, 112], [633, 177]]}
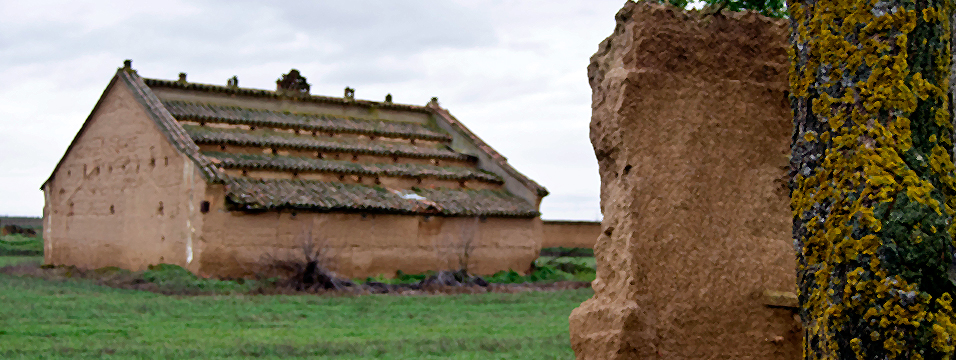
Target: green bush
{"points": [[175, 279]]}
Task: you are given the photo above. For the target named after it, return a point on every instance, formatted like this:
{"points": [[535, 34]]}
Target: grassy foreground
{"points": [[76, 319]]}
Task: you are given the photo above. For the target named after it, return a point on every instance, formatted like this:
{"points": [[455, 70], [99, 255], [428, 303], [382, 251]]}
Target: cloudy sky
{"points": [[514, 71]]}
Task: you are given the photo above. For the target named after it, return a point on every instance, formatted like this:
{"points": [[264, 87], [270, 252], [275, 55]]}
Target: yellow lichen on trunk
{"points": [[872, 181]]}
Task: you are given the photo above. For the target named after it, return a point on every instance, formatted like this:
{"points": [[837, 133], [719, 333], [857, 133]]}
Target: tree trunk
{"points": [[872, 178]]}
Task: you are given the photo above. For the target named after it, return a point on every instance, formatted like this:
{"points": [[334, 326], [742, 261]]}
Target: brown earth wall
{"points": [[691, 129], [571, 234], [239, 243], [122, 195]]}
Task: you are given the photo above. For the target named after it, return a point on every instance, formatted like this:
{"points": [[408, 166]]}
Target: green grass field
{"points": [[75, 319], [19, 245]]}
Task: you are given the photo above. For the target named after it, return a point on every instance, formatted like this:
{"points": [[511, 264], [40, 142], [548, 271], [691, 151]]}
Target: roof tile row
{"points": [[323, 123], [295, 163], [250, 194], [271, 138]]}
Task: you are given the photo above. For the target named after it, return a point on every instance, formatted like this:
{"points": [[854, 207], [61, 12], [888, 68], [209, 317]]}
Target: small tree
{"points": [[771, 8], [461, 248]]}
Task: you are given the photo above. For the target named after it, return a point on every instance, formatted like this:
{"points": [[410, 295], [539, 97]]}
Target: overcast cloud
{"points": [[515, 72]]}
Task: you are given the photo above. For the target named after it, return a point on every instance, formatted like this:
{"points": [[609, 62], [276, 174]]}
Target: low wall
{"points": [[570, 234], [235, 243]]}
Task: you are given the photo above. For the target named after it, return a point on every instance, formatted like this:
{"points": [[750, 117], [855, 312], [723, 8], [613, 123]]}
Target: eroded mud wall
{"points": [[121, 196], [360, 245], [691, 129]]}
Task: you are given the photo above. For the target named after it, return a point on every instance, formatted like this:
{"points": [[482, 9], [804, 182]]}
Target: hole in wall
{"points": [[152, 162], [166, 161], [204, 207], [161, 259], [627, 169], [112, 209], [162, 238], [222, 147], [245, 173], [354, 157], [160, 210], [68, 173]]}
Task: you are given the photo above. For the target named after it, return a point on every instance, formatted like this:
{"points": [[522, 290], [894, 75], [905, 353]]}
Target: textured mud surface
{"points": [[691, 129]]}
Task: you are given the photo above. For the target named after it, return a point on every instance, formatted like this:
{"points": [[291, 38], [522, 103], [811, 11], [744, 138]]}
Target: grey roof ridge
{"points": [[174, 132], [498, 158], [274, 94]]}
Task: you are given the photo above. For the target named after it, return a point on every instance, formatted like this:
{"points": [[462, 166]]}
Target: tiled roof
{"points": [[250, 194], [284, 140], [323, 123], [541, 191], [294, 163]]}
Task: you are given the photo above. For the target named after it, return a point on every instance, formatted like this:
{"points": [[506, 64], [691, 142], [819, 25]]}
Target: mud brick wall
{"points": [[691, 128]]}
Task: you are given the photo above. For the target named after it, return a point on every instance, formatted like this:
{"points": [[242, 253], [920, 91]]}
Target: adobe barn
{"points": [[223, 179]]}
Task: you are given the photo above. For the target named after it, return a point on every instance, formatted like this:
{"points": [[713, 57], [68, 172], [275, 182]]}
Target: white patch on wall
{"points": [[48, 225], [187, 171]]}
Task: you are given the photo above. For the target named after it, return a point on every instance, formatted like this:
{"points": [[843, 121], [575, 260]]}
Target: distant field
{"points": [[76, 319]]}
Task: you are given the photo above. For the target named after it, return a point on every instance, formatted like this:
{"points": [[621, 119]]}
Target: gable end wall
{"points": [[122, 195]]}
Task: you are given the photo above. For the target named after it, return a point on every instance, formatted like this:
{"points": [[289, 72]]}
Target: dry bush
{"points": [[310, 266], [455, 253]]}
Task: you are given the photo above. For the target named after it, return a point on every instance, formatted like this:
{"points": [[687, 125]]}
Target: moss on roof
{"points": [[296, 163], [250, 194], [307, 122]]}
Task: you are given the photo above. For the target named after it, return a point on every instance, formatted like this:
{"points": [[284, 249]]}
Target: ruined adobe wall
{"points": [[122, 196], [237, 243], [570, 234], [691, 129]]}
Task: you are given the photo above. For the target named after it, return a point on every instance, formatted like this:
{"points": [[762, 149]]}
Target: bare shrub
{"points": [[309, 266], [455, 253]]}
